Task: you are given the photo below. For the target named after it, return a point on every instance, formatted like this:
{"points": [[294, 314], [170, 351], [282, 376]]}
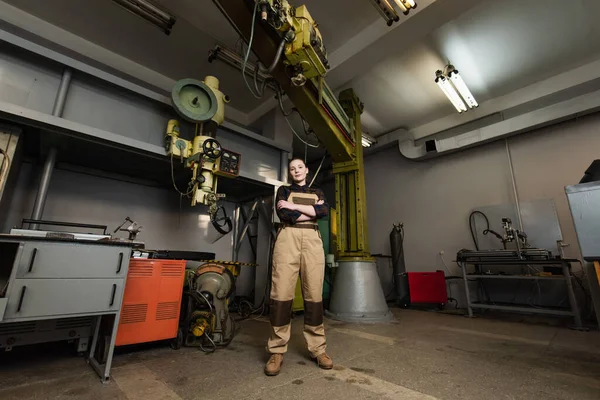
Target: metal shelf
{"points": [[490, 276], [535, 310], [492, 259]]}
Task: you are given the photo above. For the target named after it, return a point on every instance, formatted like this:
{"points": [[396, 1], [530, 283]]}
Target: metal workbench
{"points": [[61, 279], [511, 259]]}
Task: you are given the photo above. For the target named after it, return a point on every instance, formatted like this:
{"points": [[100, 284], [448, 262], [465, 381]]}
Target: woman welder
{"points": [[298, 249]]}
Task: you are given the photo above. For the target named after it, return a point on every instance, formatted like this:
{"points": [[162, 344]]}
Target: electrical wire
{"points": [[245, 64], [280, 100], [485, 231], [173, 181], [214, 346], [318, 170], [314, 146], [286, 114], [445, 265]]}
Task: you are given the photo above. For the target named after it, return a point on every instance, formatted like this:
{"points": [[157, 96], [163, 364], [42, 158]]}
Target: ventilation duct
{"points": [[532, 120]]}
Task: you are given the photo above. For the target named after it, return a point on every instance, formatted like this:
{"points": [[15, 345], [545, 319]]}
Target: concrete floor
{"points": [[423, 355]]}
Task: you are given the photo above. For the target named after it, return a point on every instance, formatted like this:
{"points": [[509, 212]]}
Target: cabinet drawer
{"points": [[58, 297], [66, 260]]}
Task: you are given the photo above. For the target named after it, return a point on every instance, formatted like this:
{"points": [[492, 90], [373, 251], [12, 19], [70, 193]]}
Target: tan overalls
{"points": [[298, 249]]}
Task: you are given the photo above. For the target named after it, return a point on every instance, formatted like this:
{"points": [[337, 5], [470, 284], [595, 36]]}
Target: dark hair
{"points": [[296, 159]]}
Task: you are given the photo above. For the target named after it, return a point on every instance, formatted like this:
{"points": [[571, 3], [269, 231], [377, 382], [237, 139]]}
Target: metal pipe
{"points": [[283, 166], [514, 184], [57, 111], [247, 224], [267, 218], [234, 235], [61, 95]]}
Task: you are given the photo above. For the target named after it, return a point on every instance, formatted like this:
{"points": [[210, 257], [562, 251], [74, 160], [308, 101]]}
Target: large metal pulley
{"points": [[194, 101]]}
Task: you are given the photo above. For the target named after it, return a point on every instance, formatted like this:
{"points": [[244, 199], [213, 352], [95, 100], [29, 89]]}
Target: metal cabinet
{"points": [[47, 260], [51, 279], [35, 298]]}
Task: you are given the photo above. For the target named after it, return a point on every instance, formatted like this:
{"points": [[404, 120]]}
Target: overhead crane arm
{"points": [[336, 123]]}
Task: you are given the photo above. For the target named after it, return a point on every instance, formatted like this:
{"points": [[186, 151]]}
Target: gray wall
{"points": [[77, 197], [434, 198]]}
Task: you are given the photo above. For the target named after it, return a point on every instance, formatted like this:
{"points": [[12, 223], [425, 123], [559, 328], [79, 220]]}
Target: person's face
{"points": [[298, 171]]}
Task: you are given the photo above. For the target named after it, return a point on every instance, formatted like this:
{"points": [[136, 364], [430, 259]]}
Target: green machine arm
{"points": [[336, 123]]}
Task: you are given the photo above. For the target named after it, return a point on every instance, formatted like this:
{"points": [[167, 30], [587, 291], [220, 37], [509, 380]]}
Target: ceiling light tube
{"points": [[387, 6], [367, 140], [151, 12], [462, 88], [410, 3], [451, 93], [401, 6]]}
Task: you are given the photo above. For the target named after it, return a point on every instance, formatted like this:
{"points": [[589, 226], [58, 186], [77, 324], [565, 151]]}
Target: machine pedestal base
{"points": [[357, 295]]}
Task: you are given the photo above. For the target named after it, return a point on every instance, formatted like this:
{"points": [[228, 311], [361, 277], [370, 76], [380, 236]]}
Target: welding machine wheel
{"points": [[177, 343]]}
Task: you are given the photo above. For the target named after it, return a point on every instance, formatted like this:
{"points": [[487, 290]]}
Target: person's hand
{"points": [[320, 202], [285, 204]]}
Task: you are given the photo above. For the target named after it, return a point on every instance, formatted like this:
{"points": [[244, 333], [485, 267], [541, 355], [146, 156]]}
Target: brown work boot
{"points": [[274, 365], [324, 361]]}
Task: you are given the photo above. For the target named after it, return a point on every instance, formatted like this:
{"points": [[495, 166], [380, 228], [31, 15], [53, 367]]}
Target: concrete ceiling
{"points": [[498, 46]]}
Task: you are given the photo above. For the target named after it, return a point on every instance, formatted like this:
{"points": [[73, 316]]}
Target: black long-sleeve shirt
{"points": [[290, 216]]}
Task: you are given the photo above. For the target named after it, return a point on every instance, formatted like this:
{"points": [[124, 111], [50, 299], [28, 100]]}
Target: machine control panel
{"points": [[228, 164]]}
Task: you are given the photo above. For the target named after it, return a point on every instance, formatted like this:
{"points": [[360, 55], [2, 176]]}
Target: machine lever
{"points": [[120, 263], [114, 292], [33, 254], [21, 298]]}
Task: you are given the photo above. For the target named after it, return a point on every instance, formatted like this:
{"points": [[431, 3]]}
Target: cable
{"points": [[318, 169], [211, 342], [455, 302], [244, 65], [487, 221], [298, 136], [287, 114], [280, 99], [444, 262], [173, 180]]}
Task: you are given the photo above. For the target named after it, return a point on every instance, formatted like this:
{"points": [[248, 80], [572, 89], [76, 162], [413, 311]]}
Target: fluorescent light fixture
{"points": [[450, 92], [462, 88], [401, 6], [405, 5], [151, 12], [367, 140], [388, 12], [453, 86]]}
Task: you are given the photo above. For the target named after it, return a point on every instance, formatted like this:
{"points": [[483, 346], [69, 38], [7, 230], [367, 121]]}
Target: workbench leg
{"points": [[96, 330], [463, 267], [571, 294], [111, 349]]}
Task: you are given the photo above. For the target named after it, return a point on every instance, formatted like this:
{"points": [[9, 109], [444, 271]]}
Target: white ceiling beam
{"points": [[558, 83]]}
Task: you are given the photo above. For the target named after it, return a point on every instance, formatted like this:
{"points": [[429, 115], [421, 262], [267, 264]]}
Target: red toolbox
{"points": [[423, 288]]}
